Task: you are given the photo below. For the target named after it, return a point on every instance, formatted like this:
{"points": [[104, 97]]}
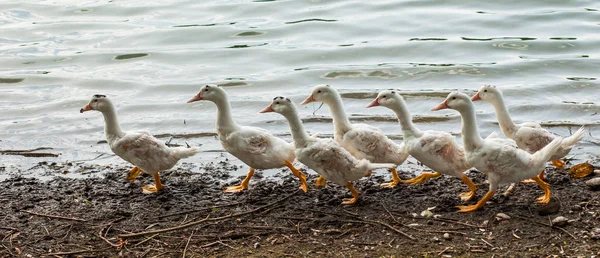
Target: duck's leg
{"points": [[320, 182], [480, 203], [559, 164], [395, 179], [299, 175], [546, 187], [467, 196], [244, 185], [156, 186], [354, 194], [530, 181], [368, 174], [133, 173], [422, 178]]}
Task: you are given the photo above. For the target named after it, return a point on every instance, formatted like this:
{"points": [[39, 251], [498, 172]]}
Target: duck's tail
{"points": [[182, 152], [570, 141], [368, 166], [543, 155]]}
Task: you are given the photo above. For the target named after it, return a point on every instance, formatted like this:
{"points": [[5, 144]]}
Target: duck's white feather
{"points": [[257, 148], [369, 142]]}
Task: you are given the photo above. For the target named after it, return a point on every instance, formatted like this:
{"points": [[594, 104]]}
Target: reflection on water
{"points": [[151, 57]]}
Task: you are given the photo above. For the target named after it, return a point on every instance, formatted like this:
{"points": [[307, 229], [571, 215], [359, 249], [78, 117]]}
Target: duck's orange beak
{"points": [[195, 98], [443, 105], [86, 108], [308, 100], [374, 103], [476, 97], [268, 109]]}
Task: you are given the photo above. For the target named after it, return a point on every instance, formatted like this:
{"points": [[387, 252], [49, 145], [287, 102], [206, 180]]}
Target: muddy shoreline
{"points": [[95, 217]]}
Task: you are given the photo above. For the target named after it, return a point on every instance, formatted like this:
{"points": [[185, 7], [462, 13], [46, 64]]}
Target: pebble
{"points": [[435, 239], [447, 236], [256, 245], [597, 172], [560, 221], [596, 233], [552, 207], [502, 216], [594, 183], [576, 208]]}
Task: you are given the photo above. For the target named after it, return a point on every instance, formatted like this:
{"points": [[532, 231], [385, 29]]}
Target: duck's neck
{"points": [[470, 132], [405, 119], [506, 123], [225, 123], [341, 123], [298, 133], [112, 129]]}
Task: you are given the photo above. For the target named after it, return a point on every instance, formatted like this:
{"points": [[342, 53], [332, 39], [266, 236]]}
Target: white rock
{"points": [[594, 183], [560, 221], [447, 236], [597, 172], [427, 213], [502, 216]]}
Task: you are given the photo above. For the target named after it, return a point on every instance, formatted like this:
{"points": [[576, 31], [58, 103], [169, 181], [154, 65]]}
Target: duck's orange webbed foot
{"points": [[157, 186], [133, 173], [320, 182], [530, 181], [354, 199], [395, 180], [546, 187], [479, 205], [243, 186], [422, 178], [467, 196]]}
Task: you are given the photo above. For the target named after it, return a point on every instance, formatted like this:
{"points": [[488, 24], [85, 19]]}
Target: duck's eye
{"points": [[319, 91], [205, 89], [384, 96], [95, 100], [453, 97], [484, 90], [277, 102], [393, 92]]}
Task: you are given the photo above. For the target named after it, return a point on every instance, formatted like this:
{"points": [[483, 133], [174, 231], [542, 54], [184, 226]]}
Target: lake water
{"points": [[150, 57]]}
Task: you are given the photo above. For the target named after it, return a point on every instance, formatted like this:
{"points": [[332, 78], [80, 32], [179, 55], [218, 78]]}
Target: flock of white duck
{"points": [[358, 149]]}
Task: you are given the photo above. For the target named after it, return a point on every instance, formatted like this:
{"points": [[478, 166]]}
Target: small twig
{"points": [[443, 251], [551, 226], [29, 150], [194, 223], [9, 228], [145, 240], [52, 216], [487, 243], [77, 252], [31, 154], [105, 239], [188, 242]]}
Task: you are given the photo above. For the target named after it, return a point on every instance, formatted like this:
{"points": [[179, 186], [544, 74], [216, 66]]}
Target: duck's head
{"points": [[209, 92], [487, 93], [321, 93], [99, 103], [281, 105], [455, 100], [386, 98]]}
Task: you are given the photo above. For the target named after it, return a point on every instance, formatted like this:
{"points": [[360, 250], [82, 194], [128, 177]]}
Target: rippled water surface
{"points": [[150, 57]]}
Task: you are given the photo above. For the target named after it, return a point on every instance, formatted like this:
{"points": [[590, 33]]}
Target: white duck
{"points": [[139, 148], [499, 158], [324, 156], [436, 149], [361, 140], [529, 136], [256, 147]]}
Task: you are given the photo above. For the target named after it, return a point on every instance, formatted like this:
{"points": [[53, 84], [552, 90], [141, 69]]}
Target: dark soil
{"points": [[274, 219]]}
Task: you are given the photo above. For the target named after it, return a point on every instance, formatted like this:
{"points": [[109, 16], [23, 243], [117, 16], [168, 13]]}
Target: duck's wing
{"points": [[532, 139]]}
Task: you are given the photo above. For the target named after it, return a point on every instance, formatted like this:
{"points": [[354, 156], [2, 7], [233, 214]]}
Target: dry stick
{"points": [[30, 150], [551, 226], [199, 210], [206, 219], [9, 228], [106, 240], [31, 154], [145, 240], [186, 245], [77, 252], [52, 216]]}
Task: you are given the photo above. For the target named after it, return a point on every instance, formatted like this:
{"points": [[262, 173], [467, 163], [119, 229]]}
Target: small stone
{"points": [[560, 221], [594, 183], [552, 207], [447, 236], [502, 216], [256, 245], [576, 208], [597, 172], [427, 213], [436, 239], [485, 223], [596, 233]]}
